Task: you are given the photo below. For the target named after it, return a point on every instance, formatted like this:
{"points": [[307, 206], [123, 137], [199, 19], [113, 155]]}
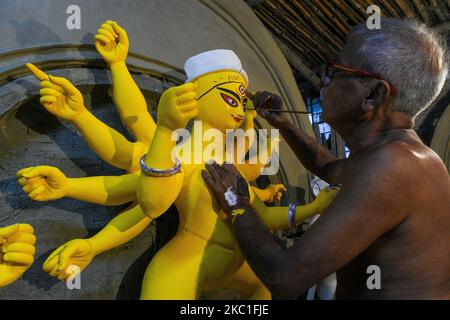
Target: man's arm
{"points": [[314, 156], [374, 199]]}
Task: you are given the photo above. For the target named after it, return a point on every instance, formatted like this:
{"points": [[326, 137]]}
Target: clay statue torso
{"points": [[198, 213]]}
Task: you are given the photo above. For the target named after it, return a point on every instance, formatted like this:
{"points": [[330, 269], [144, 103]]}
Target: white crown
{"points": [[213, 60]]}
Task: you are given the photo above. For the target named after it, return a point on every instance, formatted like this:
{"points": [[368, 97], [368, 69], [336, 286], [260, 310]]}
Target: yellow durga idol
{"points": [[204, 253]]}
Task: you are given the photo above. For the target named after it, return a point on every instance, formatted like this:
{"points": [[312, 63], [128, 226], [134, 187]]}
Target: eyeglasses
{"points": [[332, 66]]}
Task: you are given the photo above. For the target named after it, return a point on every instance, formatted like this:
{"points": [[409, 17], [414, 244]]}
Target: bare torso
{"points": [[414, 256]]}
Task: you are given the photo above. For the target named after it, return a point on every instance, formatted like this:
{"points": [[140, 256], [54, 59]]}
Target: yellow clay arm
{"points": [[80, 252], [112, 44], [263, 194], [276, 218], [104, 190], [156, 194], [273, 192], [62, 99], [46, 183], [109, 144], [131, 104], [120, 230], [176, 107]]}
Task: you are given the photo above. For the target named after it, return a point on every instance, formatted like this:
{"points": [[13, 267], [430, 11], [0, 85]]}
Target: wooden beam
{"points": [[254, 3], [406, 8], [443, 27], [298, 64]]}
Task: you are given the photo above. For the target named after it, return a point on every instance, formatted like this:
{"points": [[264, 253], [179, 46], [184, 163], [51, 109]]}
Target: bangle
{"points": [[291, 214], [152, 172], [235, 213]]}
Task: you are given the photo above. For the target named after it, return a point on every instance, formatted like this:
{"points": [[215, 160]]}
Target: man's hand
{"points": [[324, 198], [76, 252], [228, 186], [16, 252], [58, 95], [177, 106], [111, 42], [266, 105], [43, 183]]}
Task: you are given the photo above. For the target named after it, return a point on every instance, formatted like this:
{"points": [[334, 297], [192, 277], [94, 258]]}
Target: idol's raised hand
{"points": [[177, 106], [58, 95], [111, 42]]}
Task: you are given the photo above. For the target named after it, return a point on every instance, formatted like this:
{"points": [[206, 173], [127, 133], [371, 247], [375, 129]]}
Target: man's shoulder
{"points": [[398, 155], [394, 166], [386, 180]]}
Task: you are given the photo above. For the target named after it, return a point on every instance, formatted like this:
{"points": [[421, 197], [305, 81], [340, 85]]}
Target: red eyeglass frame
{"points": [[357, 72]]}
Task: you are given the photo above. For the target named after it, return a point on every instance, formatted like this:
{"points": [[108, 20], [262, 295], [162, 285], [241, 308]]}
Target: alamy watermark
{"points": [[74, 280], [236, 146], [74, 19], [374, 280], [374, 20]]}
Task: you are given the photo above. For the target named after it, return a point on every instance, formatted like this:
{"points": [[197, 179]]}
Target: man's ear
{"points": [[377, 95]]}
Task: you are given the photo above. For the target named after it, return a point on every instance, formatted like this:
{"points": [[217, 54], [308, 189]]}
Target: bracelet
{"points": [[152, 172], [291, 214], [235, 213]]}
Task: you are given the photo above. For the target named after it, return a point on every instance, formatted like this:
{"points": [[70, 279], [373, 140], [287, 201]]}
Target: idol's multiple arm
{"points": [[150, 196]]}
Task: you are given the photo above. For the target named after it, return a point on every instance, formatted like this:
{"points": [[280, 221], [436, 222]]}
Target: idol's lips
{"points": [[237, 118]]}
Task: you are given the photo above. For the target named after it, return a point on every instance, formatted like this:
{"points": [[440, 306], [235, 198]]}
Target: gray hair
{"points": [[409, 55]]}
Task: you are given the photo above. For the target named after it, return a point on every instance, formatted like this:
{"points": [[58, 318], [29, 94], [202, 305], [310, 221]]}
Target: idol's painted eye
{"points": [[232, 102], [244, 102]]}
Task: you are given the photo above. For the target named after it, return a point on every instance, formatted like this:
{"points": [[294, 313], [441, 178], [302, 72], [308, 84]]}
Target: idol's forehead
{"points": [[232, 76], [234, 86], [218, 77], [226, 81]]}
